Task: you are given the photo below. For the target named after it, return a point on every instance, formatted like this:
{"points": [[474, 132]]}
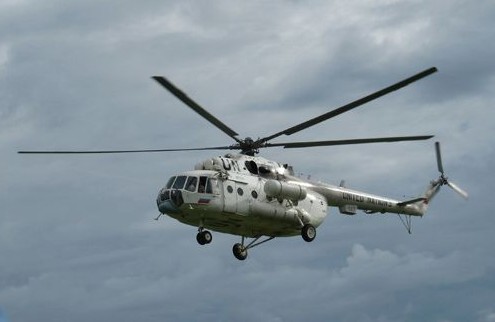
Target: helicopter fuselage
{"points": [[252, 196]]}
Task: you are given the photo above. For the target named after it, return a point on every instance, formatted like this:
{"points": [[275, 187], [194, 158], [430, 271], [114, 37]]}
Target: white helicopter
{"points": [[259, 199]]}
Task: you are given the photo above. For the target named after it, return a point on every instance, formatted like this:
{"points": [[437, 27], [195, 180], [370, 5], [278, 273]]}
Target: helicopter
{"points": [[258, 199]]}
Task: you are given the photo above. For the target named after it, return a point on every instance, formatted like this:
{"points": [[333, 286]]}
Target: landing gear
{"points": [[204, 237], [241, 251], [308, 232]]}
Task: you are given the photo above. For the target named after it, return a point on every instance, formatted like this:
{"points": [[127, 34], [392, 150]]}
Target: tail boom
{"points": [[348, 199]]}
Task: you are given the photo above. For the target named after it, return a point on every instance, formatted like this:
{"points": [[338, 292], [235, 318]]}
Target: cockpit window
{"points": [[169, 183], [204, 185], [191, 184], [179, 182], [208, 186]]}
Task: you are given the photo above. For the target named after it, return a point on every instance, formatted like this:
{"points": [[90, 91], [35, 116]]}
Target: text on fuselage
{"points": [[358, 198], [230, 165]]}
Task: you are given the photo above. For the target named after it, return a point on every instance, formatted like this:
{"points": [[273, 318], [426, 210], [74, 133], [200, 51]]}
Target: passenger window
{"points": [[191, 184], [169, 183], [179, 182]]}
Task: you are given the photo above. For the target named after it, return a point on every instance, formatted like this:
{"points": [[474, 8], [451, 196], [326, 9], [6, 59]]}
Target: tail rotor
{"points": [[443, 180]]}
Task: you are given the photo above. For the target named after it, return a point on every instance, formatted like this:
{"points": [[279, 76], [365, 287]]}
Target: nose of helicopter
{"points": [[169, 201]]}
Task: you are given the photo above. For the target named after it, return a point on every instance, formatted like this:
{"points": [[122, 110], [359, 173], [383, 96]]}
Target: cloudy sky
{"points": [[77, 237]]}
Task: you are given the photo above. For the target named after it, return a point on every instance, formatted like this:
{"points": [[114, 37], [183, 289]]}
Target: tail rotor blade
{"points": [[456, 188], [439, 157], [443, 180]]}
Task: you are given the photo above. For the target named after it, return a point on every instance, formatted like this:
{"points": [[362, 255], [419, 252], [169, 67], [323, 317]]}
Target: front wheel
{"points": [[204, 237], [308, 232]]}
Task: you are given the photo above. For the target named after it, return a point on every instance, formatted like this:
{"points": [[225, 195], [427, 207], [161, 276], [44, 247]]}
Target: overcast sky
{"points": [[77, 237]]}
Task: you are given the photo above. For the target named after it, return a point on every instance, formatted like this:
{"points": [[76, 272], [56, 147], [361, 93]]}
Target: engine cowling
{"points": [[284, 190]]}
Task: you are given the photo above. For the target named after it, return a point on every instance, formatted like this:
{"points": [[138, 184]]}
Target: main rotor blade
{"points": [[350, 141], [352, 105], [124, 151], [439, 157], [195, 106]]}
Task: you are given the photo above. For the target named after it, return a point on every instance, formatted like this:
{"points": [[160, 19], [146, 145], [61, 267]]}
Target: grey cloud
{"points": [[77, 238]]}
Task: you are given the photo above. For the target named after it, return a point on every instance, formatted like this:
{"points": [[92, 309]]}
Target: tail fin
{"points": [[435, 185]]}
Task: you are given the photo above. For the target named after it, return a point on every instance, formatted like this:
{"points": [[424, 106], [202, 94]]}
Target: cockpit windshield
{"points": [[170, 182], [179, 182], [202, 184]]}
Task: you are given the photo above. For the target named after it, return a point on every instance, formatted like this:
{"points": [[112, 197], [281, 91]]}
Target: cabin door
{"points": [[229, 196]]}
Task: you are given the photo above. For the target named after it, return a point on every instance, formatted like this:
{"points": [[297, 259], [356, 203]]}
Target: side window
{"points": [[205, 185], [240, 192], [170, 182], [179, 182], [213, 185], [208, 187], [191, 184], [202, 185]]}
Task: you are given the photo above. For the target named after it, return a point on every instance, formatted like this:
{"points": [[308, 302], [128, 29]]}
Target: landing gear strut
{"points": [[240, 250]]}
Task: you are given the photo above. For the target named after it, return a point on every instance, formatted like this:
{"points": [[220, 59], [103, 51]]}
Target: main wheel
{"points": [[239, 252], [204, 237], [308, 232]]}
